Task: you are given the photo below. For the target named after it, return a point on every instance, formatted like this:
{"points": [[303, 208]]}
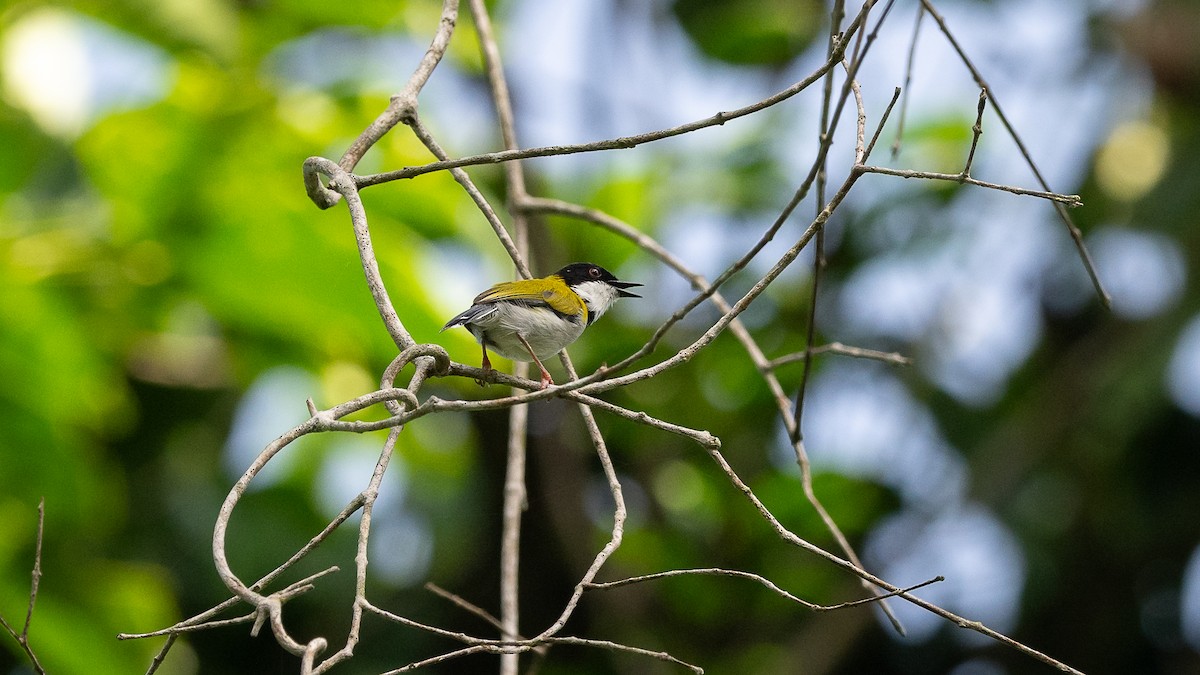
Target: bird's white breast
{"points": [[547, 332]]}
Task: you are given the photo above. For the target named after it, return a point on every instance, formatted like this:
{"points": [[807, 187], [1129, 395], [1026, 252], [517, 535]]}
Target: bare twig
{"points": [[623, 142], [401, 106], [879, 129], [792, 538], [22, 637], [161, 656], [763, 581], [1062, 199], [404, 103], [342, 184], [476, 195], [908, 71], [861, 153], [619, 511], [476, 645], [976, 132], [360, 559], [515, 504], [1059, 205], [461, 602], [893, 358]]}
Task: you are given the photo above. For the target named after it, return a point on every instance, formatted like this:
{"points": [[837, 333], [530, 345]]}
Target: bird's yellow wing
{"points": [[549, 292]]}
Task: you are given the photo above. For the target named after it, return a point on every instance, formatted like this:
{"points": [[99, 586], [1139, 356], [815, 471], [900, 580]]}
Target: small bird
{"points": [[533, 319]]}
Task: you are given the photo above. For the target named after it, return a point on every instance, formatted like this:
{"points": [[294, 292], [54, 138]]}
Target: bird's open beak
{"points": [[621, 285]]}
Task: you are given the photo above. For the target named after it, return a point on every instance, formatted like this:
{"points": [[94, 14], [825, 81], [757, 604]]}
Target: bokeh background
{"points": [[169, 298]]}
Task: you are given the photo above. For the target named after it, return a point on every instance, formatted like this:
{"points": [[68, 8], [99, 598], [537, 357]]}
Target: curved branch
{"points": [[404, 104]]}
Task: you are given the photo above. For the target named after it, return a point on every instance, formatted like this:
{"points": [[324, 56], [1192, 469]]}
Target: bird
{"points": [[533, 319]]}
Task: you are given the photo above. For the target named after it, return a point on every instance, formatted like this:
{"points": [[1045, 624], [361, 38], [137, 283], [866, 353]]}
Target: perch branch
{"points": [[515, 497]]}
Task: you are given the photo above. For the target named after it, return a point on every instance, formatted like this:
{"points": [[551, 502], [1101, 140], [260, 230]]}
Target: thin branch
{"points": [[861, 153], [449, 656], [616, 534], [622, 142], [343, 184], [161, 656], [476, 645], [1058, 199], [22, 637], [270, 607], [1059, 206], [893, 358], [908, 71], [879, 128], [203, 619], [404, 104], [616, 646], [201, 622], [792, 538], [976, 132], [36, 574], [764, 582], [369, 495], [476, 196], [464, 604], [180, 629], [514, 505]]}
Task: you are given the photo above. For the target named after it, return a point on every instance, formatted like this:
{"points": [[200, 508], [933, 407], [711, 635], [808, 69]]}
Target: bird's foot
{"points": [[486, 378]]}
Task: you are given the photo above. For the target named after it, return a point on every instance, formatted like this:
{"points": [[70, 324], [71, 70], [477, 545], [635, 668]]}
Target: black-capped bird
{"points": [[533, 319]]}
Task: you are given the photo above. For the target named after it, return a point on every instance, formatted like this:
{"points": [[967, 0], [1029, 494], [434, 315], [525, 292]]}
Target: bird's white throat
{"points": [[598, 296]]}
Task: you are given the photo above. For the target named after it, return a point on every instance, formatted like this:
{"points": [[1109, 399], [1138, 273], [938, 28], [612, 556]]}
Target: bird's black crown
{"points": [[580, 272]]}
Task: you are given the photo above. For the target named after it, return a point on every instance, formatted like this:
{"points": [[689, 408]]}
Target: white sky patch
{"points": [[46, 71], [273, 404], [401, 548], [986, 331], [978, 555], [346, 471], [891, 295], [1143, 271], [67, 70], [1189, 600], [1183, 372], [861, 421]]}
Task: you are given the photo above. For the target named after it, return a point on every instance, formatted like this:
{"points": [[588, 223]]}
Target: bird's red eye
{"points": [[594, 272]]}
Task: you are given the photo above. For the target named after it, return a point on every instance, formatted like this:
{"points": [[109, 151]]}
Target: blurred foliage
{"points": [[751, 32], [163, 263]]}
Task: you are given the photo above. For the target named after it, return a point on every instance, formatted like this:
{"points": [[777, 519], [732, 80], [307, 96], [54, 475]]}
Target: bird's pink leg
{"points": [[487, 367], [546, 379]]}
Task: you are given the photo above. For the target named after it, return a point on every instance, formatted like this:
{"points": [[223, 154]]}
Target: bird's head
{"points": [[596, 286]]}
